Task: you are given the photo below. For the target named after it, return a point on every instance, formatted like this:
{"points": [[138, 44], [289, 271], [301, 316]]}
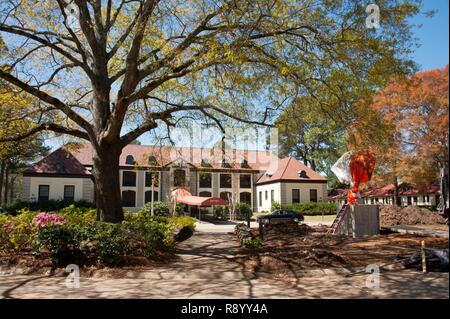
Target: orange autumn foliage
{"points": [[412, 129]]}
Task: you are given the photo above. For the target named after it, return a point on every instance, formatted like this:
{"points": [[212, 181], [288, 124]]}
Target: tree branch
{"points": [[48, 99], [46, 127]]}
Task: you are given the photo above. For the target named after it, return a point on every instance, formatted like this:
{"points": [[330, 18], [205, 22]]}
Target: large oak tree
{"points": [[107, 71]]}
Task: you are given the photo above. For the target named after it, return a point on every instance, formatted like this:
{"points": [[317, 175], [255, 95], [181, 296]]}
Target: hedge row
{"points": [[46, 206]]}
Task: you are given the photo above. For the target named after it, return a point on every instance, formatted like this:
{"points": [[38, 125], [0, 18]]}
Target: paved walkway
{"points": [[203, 270]]}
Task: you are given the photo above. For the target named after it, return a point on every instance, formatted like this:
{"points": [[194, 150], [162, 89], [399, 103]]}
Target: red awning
{"points": [[201, 201], [185, 197]]}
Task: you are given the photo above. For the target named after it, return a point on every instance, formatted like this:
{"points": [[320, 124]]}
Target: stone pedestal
{"points": [[361, 220]]}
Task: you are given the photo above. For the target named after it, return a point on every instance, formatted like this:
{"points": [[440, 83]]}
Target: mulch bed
{"points": [[43, 264]]}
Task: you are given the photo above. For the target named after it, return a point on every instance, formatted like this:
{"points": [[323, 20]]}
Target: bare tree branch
{"points": [[46, 127], [48, 99]]}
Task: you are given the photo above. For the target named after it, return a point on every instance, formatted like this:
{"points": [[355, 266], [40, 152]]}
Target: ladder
{"points": [[339, 217]]}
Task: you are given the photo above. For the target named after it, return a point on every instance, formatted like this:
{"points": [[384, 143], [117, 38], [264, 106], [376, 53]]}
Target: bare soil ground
{"points": [[288, 249], [391, 215]]}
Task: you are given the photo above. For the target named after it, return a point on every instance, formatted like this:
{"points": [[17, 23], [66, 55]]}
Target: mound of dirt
{"points": [[410, 215], [288, 228]]}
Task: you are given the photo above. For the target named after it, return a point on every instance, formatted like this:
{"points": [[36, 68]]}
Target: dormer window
{"points": [[152, 160], [205, 163], [302, 174], [225, 164], [59, 167], [129, 160], [244, 164]]}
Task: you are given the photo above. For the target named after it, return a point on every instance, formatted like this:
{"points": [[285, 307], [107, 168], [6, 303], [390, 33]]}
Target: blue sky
{"points": [[433, 36]]}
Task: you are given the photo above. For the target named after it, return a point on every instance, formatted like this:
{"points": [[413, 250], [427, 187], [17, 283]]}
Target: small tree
{"points": [[232, 204]]}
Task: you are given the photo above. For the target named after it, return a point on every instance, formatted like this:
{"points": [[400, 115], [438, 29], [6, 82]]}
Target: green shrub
{"points": [[275, 205], [146, 235], [243, 210], [60, 242], [108, 242], [82, 236], [183, 221], [312, 208], [17, 232], [254, 243], [78, 215], [161, 209], [46, 206], [221, 212]]}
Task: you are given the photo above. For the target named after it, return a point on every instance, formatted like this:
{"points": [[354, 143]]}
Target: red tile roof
{"points": [[58, 162], [389, 190], [164, 155], [288, 169]]}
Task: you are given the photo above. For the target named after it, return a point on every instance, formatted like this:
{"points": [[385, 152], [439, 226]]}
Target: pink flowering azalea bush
{"points": [[47, 219]]}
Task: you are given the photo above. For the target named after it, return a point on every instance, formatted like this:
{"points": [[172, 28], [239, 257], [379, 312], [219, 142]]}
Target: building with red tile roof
{"points": [[208, 172], [409, 195]]}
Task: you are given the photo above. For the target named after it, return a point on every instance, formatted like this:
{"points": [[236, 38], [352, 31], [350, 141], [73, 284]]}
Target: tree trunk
{"points": [[5, 201], [2, 173], [313, 165], [106, 179], [11, 191]]}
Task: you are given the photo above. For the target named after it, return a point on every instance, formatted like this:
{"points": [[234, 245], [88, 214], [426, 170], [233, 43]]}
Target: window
{"points": [[303, 174], [426, 199], [149, 176], [179, 177], [266, 195], [225, 195], [260, 198], [69, 193], [205, 163], [272, 195], [204, 194], [128, 198], [148, 196], [44, 191], [128, 178], [129, 160], [245, 181], [225, 164], [295, 196], [152, 160], [244, 164], [59, 167], [245, 197], [225, 181], [204, 180], [313, 195]]}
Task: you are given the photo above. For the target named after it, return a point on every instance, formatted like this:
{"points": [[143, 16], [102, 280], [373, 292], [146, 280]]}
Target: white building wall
{"points": [[304, 188], [56, 187], [266, 204]]}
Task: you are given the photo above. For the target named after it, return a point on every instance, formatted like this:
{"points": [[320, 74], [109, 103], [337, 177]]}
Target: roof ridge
{"points": [[285, 167]]}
